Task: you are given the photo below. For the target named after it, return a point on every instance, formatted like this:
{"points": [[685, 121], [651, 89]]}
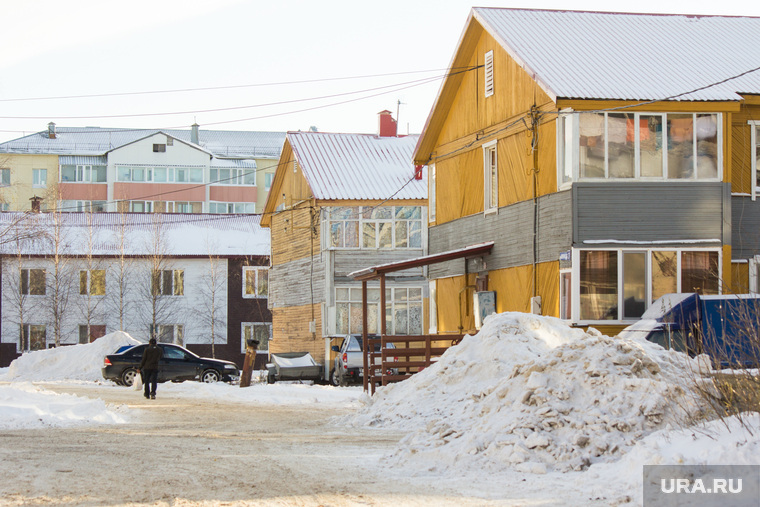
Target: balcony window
{"points": [[381, 227], [83, 173], [625, 145]]}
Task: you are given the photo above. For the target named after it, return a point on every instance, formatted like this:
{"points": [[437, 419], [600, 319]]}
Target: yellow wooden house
{"points": [[339, 203], [610, 157]]}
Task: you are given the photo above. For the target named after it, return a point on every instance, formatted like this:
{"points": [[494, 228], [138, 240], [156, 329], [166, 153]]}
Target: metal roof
{"points": [[82, 160], [598, 55], [98, 141], [358, 166], [184, 234]]}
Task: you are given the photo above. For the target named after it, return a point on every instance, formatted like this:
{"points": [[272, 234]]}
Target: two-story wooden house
{"points": [[610, 157], [339, 203]]}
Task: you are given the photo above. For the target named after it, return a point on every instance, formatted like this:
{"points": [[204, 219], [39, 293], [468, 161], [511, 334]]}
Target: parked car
{"points": [[349, 363], [178, 364]]}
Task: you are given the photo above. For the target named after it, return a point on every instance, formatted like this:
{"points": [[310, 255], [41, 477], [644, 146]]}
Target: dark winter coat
{"points": [[151, 356]]}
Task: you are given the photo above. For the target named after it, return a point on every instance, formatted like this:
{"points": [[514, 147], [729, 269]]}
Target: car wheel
{"points": [[334, 379], [270, 378], [210, 376], [128, 377]]}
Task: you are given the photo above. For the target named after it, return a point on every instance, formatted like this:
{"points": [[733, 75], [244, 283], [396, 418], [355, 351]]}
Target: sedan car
{"points": [[178, 364]]}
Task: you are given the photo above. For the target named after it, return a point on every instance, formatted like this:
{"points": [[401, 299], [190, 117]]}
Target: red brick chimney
{"points": [[386, 124]]}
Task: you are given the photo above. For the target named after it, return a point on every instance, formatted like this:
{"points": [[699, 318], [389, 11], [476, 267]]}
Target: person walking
{"points": [[149, 368]]}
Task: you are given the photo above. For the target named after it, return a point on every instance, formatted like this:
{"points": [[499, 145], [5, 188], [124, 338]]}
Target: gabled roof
{"points": [[611, 56], [151, 134], [601, 55], [98, 141], [358, 166], [184, 234]]}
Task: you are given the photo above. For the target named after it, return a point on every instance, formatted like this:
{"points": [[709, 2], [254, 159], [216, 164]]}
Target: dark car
{"points": [[178, 364]]}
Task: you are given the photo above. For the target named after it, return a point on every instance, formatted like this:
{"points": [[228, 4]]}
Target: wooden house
{"points": [[610, 157], [340, 203]]}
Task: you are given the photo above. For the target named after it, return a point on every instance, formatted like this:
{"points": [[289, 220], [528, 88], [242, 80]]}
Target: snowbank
{"points": [[26, 406], [281, 393], [70, 362], [532, 394]]}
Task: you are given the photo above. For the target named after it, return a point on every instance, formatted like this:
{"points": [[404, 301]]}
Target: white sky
{"points": [[54, 48]]}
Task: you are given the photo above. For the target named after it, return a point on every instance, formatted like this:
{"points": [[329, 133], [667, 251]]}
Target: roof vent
{"points": [[51, 130]]}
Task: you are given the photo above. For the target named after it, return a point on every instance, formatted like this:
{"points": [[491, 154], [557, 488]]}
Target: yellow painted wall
{"points": [[739, 279], [740, 156], [19, 192], [263, 167]]}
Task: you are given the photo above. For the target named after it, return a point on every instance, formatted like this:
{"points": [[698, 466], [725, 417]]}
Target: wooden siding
{"points": [[511, 230], [292, 236], [289, 282], [650, 211], [288, 187], [739, 278], [291, 331], [347, 261], [513, 286], [745, 227], [741, 149]]}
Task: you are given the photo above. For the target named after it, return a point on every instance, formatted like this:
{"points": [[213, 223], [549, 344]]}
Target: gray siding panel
{"points": [[661, 212], [348, 261], [511, 230], [289, 283], [745, 241]]}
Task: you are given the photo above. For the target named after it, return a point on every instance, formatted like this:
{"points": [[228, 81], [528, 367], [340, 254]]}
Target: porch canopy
{"points": [[379, 272]]}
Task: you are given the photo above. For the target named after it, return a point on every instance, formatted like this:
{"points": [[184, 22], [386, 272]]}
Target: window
{"points": [[83, 206], [259, 331], [234, 176], [431, 193], [488, 73], [177, 207], [92, 282], [140, 206], [231, 207], [168, 333], [39, 178], [95, 332], [382, 227], [83, 173], [403, 310], [490, 178], [628, 145], [620, 285], [169, 282], [32, 282], [159, 174], [159, 148], [32, 337], [5, 177], [268, 178], [255, 282]]}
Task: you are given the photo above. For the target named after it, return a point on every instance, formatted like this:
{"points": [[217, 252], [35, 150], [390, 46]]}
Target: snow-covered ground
{"points": [[526, 395]]}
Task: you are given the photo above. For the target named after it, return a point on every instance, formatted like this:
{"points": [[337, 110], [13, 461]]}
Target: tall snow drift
{"points": [[531, 393]]}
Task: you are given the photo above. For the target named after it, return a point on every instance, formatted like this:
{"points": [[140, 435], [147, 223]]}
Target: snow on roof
{"points": [[98, 141], [184, 234], [358, 166], [598, 55]]}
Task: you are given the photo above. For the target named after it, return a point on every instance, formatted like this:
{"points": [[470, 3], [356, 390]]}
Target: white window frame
{"points": [[576, 282], [268, 180], [19, 344], [178, 333], [562, 285], [568, 149], [28, 282], [252, 325], [490, 178], [360, 213], [229, 208], [173, 289], [37, 180], [488, 72], [256, 270], [83, 173], [431, 193], [87, 274], [354, 292], [237, 176]]}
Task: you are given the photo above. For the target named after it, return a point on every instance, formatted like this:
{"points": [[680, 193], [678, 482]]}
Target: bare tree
{"points": [[212, 290], [163, 282], [62, 276], [122, 272], [92, 280]]}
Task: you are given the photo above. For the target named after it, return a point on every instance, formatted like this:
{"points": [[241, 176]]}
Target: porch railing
{"points": [[409, 355]]}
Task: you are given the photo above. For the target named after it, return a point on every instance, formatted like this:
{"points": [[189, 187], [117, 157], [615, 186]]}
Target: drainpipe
{"points": [[534, 118]]}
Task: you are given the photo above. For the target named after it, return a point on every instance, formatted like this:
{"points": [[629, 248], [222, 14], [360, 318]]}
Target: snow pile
{"points": [[70, 362], [734, 441], [281, 393], [531, 393], [26, 406]]}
